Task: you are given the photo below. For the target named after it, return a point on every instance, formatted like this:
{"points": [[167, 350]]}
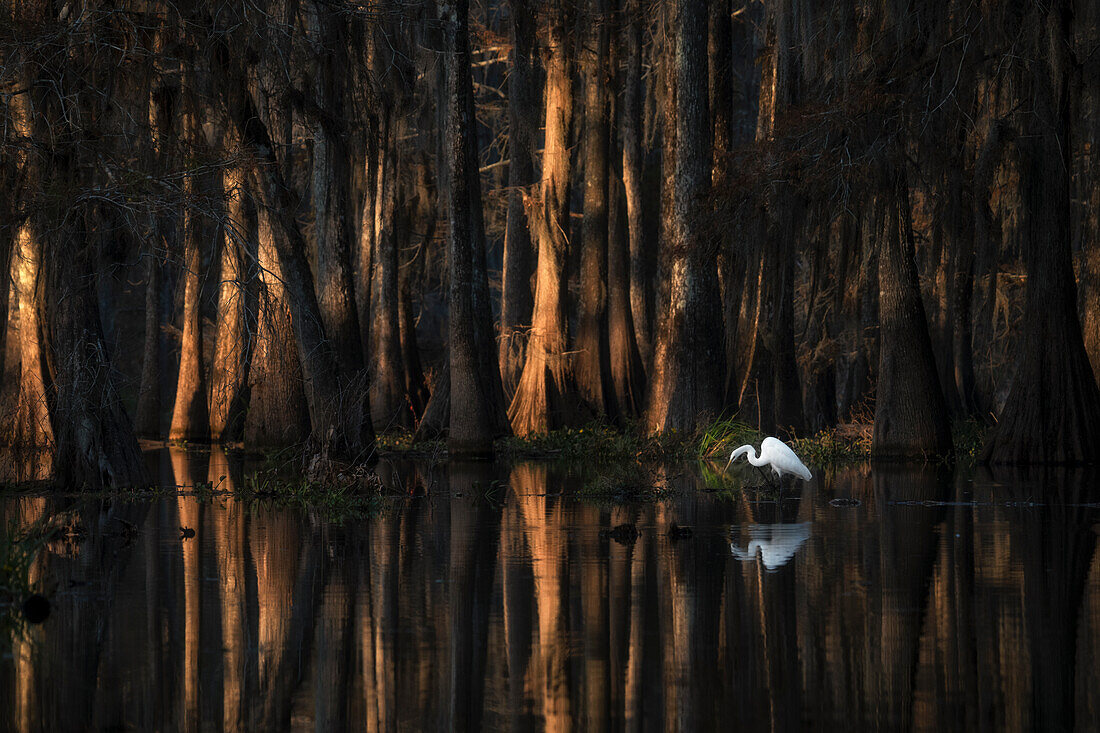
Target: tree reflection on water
{"points": [[936, 603]]}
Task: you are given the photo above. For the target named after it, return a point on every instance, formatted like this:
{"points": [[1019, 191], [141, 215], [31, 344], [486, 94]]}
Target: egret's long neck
{"points": [[754, 460], [744, 450]]}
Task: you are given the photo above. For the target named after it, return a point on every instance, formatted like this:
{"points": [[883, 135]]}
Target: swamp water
{"points": [[507, 597]]}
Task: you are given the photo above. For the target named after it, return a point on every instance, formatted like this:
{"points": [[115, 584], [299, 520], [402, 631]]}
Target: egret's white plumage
{"points": [[777, 454]]}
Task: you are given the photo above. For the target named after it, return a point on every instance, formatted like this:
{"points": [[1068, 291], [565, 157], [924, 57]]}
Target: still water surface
{"points": [[492, 597]]}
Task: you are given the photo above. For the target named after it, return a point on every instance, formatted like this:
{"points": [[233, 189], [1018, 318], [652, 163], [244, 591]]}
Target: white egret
{"points": [[775, 453]]}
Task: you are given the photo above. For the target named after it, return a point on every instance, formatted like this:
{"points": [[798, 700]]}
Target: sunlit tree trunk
{"points": [[335, 397], [593, 369], [233, 343], [516, 295], [32, 421], [190, 414], [388, 399], [277, 411], [689, 352], [543, 399], [1052, 414]]}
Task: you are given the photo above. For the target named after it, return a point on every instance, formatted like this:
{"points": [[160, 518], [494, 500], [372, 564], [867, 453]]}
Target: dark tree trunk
{"points": [[147, 420], [516, 298], [688, 359], [472, 422], [910, 411], [389, 407], [631, 122], [418, 222], [1052, 414], [95, 447], [593, 369], [627, 376]]}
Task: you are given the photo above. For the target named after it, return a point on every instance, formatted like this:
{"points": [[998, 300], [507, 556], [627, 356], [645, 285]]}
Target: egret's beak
{"points": [[728, 464]]}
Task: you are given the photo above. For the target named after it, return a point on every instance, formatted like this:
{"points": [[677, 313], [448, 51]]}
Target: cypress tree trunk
{"points": [[910, 411], [233, 343], [543, 398], [688, 358], [631, 122], [516, 298], [471, 424], [95, 447], [339, 427], [419, 222], [1052, 414], [32, 418], [277, 412], [627, 396], [593, 360], [388, 401], [190, 414]]}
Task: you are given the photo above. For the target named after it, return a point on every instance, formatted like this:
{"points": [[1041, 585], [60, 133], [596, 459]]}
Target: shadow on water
{"points": [[490, 596]]}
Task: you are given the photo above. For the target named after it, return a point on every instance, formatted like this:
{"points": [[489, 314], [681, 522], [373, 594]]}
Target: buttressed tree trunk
{"points": [[689, 354], [332, 202], [472, 423], [32, 420], [1052, 414], [593, 369], [543, 397], [277, 412], [910, 411], [233, 343], [95, 443], [516, 297], [417, 224], [336, 400]]}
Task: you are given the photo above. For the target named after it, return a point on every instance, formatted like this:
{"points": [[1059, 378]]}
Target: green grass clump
{"points": [[337, 498], [968, 438]]}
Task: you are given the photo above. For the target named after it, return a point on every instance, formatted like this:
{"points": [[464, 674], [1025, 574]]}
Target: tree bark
{"points": [[32, 419], [688, 359], [631, 121], [233, 343], [1052, 414], [516, 298], [543, 399], [910, 411], [471, 425], [190, 414], [94, 438], [389, 406], [277, 412], [418, 222], [593, 369], [339, 427]]}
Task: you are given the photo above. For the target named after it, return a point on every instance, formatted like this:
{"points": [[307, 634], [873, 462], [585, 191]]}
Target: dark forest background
{"points": [[315, 221]]}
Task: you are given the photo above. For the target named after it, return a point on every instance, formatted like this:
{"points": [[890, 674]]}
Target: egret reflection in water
{"points": [[776, 544]]}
